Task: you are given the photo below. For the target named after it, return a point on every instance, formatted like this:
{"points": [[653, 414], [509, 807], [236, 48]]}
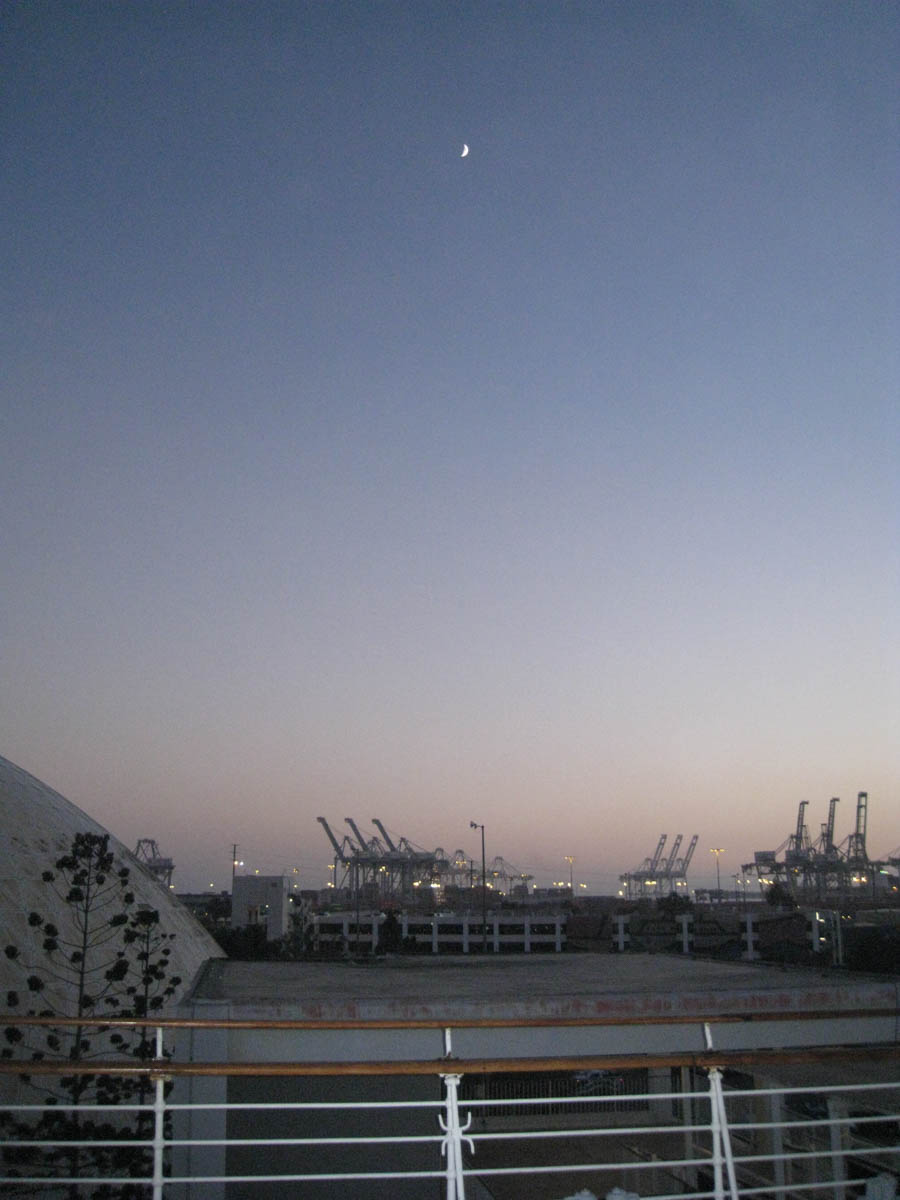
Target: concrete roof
{"points": [[563, 987], [556, 986]]}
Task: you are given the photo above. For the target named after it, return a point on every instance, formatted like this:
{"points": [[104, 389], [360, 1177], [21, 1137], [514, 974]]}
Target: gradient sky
{"points": [[556, 487]]}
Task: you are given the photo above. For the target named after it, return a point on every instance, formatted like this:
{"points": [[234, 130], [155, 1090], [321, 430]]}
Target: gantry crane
{"points": [[855, 852], [798, 847], [824, 870], [827, 848], [148, 854], [377, 873], [668, 864], [681, 873], [637, 882]]}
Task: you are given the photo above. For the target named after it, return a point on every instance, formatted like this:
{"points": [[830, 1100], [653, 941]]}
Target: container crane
{"points": [[637, 881], [375, 873], [797, 852], [148, 854], [670, 861], [667, 866], [825, 869], [679, 871], [686, 861], [855, 853], [829, 850]]}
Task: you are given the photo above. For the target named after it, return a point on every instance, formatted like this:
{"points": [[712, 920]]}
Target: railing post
{"points": [[776, 1119], [451, 1145], [715, 1130], [721, 1147], [837, 1140], [722, 1138], [159, 1121]]}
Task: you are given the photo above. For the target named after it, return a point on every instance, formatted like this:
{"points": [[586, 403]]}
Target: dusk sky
{"points": [[556, 487]]}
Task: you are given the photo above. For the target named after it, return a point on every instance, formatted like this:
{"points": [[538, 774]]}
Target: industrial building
{"points": [[262, 900]]}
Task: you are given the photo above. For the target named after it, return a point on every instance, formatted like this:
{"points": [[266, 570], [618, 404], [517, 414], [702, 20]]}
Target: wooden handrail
{"points": [[13, 1019], [706, 1059]]}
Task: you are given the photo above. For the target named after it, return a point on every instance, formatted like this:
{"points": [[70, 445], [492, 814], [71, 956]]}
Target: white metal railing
{"points": [[690, 1132]]}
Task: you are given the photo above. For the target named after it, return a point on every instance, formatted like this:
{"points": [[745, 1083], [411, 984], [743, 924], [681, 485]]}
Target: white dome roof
{"points": [[37, 826]]}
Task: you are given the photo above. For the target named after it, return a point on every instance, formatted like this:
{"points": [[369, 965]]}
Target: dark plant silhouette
{"points": [[104, 955]]}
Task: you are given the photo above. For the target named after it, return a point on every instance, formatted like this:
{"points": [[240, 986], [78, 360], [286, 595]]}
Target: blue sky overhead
{"points": [[555, 487]]}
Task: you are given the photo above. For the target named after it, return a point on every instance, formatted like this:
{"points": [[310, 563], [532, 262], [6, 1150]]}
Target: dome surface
{"points": [[37, 826]]}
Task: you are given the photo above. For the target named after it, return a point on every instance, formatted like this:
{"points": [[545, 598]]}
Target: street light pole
{"points": [[235, 863], [570, 858], [475, 825], [717, 850]]}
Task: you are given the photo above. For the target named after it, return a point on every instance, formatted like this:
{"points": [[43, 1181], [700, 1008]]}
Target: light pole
{"points": [[717, 850], [570, 860], [475, 825], [235, 863]]}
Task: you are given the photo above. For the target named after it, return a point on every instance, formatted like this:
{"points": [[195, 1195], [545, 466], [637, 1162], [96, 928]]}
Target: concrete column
{"points": [[622, 937], [750, 952], [686, 921], [203, 1045]]}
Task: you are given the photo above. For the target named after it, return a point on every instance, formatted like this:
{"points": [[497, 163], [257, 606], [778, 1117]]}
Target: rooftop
{"points": [[562, 988]]}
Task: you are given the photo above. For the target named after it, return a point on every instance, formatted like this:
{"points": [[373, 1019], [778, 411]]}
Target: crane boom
{"points": [[384, 833], [670, 861], [690, 852], [337, 848], [654, 861], [363, 844]]}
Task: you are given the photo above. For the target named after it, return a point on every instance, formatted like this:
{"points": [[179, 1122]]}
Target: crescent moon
{"points": [[465, 150]]}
